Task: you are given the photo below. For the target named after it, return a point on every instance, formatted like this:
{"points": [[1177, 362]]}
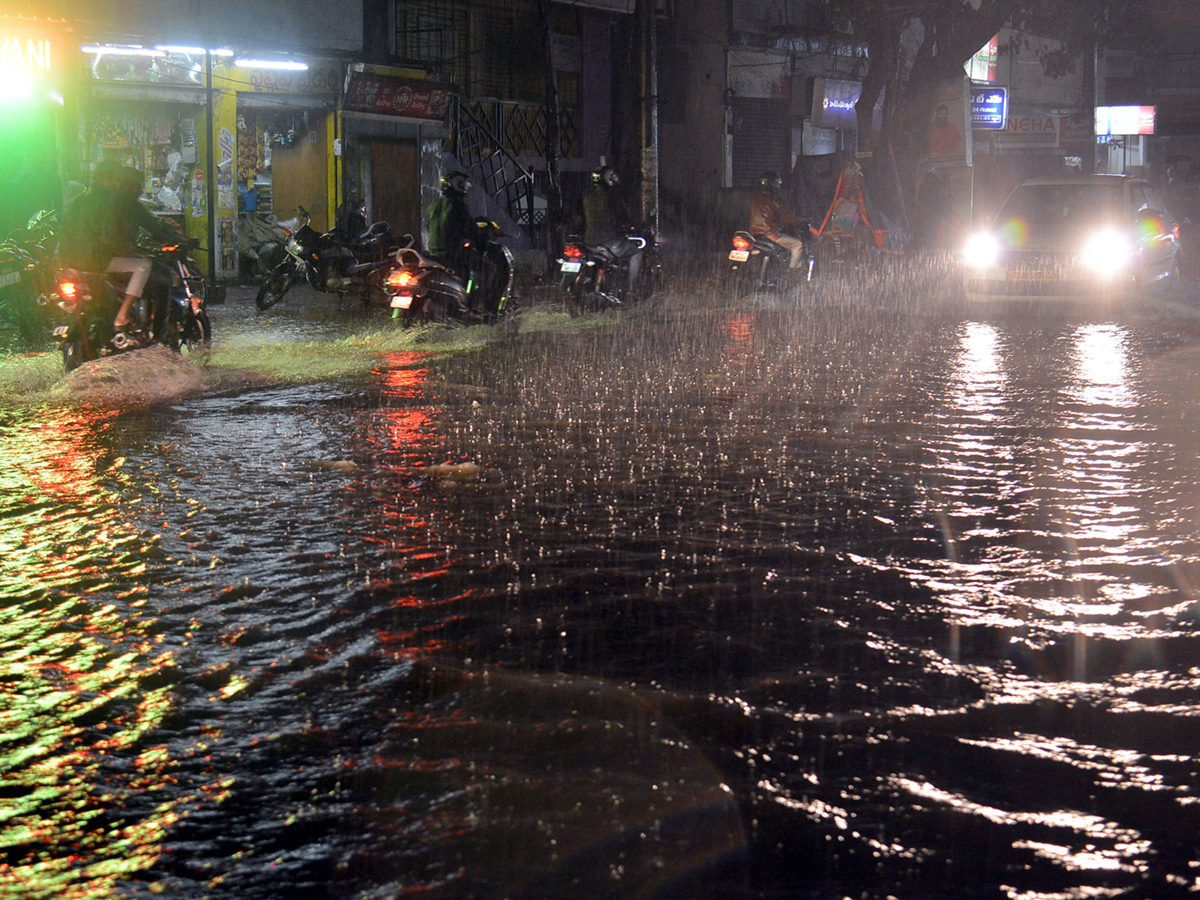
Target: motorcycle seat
{"points": [[376, 231]]}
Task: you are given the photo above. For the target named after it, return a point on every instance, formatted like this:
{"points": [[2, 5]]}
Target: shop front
{"points": [[224, 141], [147, 108], [275, 131], [395, 130]]}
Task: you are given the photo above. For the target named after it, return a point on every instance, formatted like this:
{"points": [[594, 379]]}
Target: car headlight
{"points": [[981, 250], [1106, 252]]}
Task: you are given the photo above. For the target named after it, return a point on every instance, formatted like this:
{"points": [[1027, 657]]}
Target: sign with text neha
{"points": [[371, 92]]}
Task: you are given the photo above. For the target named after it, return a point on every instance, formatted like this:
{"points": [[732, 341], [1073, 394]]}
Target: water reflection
{"points": [[84, 768], [1073, 494], [723, 606]]}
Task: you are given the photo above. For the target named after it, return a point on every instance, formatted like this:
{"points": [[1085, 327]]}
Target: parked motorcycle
{"points": [[330, 262], [27, 277], [758, 262], [596, 277], [421, 288], [171, 311]]}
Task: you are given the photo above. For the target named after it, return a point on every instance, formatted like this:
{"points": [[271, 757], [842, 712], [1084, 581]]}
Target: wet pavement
{"points": [[860, 593]]}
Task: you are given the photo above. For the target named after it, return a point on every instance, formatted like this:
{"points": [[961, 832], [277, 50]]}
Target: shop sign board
{"points": [[1124, 120], [1043, 133], [372, 92], [1023, 132], [982, 66], [989, 108], [27, 54], [29, 66], [833, 104]]}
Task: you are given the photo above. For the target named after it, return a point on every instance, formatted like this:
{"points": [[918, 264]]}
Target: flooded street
{"points": [[866, 594]]}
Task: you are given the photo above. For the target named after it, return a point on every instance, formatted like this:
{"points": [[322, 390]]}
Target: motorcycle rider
{"points": [[768, 215], [99, 231], [451, 227], [607, 220], [130, 218]]}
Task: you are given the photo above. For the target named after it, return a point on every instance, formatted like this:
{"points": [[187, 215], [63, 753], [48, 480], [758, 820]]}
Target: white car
{"points": [[1085, 237]]}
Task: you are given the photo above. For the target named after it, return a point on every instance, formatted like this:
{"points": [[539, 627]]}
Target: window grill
{"points": [[434, 32]]}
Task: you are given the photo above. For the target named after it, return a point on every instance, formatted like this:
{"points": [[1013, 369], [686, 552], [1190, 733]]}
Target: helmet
{"points": [[606, 177], [771, 181], [456, 183]]}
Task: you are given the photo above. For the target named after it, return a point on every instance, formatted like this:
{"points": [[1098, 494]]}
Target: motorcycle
{"points": [[420, 288], [171, 311], [27, 279], [610, 276], [764, 263], [331, 262]]}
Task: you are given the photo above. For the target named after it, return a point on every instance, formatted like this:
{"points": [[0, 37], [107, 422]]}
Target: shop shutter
{"points": [[761, 139]]}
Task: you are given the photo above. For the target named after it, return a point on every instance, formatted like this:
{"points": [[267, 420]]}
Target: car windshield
{"points": [[1049, 205]]}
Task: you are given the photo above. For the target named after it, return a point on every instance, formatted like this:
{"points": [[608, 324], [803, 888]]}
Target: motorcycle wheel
{"points": [[191, 336], [278, 283], [72, 354]]}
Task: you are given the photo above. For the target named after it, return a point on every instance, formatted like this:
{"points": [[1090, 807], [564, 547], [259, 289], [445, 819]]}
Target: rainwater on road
{"points": [[860, 594]]}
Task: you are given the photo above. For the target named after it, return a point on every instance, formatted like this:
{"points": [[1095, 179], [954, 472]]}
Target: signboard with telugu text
{"points": [[989, 108], [370, 92], [833, 103]]}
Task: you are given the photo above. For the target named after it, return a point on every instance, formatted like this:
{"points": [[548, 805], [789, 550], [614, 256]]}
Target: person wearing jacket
{"points": [[607, 222], [451, 228], [768, 217], [100, 230]]}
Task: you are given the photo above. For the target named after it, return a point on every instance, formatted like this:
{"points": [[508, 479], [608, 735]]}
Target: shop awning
{"points": [[380, 94]]}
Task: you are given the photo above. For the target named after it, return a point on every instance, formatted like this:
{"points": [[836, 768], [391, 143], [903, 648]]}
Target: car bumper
{"points": [[1065, 289]]}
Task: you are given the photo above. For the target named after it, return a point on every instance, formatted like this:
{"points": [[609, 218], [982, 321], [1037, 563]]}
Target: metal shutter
{"points": [[761, 139]]}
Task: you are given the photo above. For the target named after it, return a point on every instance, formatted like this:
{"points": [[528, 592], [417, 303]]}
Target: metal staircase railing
{"points": [[490, 139]]}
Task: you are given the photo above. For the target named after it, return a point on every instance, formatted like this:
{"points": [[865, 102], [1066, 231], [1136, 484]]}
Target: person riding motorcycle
{"points": [[455, 240], [607, 220], [130, 218], [100, 229], [768, 215], [451, 228]]}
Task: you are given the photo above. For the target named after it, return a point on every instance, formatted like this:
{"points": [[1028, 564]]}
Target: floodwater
{"points": [[858, 595]]}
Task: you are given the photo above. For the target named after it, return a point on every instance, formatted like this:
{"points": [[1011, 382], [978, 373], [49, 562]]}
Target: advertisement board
{"points": [[1124, 120], [989, 108], [833, 103]]}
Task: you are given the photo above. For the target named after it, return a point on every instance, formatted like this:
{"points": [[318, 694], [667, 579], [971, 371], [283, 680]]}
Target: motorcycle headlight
{"points": [[294, 247], [1106, 252], [981, 250]]}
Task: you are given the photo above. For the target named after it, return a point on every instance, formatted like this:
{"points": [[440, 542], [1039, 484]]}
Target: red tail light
{"points": [[169, 248], [402, 279], [572, 251], [68, 290], [740, 243]]}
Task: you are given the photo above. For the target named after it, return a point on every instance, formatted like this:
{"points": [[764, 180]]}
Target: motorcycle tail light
{"points": [[572, 251], [740, 243], [402, 279], [68, 290]]}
